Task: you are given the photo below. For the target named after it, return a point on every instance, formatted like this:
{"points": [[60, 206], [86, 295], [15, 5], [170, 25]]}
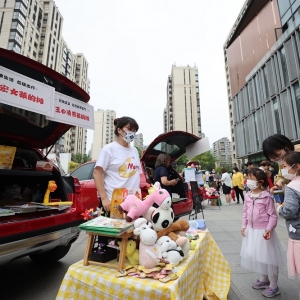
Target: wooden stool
{"points": [[90, 243]]}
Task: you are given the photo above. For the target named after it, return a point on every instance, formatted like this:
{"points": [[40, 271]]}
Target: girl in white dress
{"points": [[261, 250]]}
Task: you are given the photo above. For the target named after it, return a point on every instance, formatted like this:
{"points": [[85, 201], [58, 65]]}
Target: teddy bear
{"points": [[135, 207], [149, 252], [132, 252], [162, 223], [170, 251]]}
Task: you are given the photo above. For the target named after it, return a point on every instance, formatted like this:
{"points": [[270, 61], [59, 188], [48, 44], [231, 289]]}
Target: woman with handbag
{"points": [[238, 184], [226, 185]]}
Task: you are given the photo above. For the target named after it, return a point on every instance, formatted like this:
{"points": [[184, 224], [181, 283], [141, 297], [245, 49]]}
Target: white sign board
{"points": [[72, 111], [199, 178], [23, 92], [197, 148], [189, 174]]}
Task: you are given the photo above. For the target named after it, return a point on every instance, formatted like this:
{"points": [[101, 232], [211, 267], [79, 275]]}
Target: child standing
{"points": [[290, 210], [261, 251]]}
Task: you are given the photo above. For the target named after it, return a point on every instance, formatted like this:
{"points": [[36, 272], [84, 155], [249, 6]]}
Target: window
{"points": [[37, 36], [35, 45], [29, 48], [19, 17], [296, 88], [284, 66], [16, 36], [34, 54], [84, 172], [276, 114]]}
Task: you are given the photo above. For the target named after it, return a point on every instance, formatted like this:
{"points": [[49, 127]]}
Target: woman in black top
{"points": [[161, 173]]}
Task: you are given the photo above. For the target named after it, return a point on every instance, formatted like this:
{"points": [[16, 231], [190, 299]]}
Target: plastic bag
{"points": [[233, 194]]}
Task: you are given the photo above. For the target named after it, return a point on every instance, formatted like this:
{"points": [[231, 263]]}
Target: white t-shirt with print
{"points": [[121, 167]]}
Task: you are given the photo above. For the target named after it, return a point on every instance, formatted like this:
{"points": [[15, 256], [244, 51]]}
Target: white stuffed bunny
{"points": [[149, 252]]}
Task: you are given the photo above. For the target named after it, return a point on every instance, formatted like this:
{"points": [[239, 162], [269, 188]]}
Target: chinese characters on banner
{"points": [[72, 111], [23, 92]]}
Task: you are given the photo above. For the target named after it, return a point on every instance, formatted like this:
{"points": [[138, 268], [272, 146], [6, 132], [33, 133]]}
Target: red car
{"points": [[173, 143], [45, 235]]}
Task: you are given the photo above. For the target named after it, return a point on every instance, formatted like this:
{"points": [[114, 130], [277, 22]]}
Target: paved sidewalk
{"points": [[225, 225]]}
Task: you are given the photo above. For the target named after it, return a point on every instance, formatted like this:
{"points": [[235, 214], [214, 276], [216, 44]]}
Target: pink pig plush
{"points": [[134, 207]]}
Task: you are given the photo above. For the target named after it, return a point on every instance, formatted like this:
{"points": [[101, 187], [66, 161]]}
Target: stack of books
{"points": [[6, 212], [105, 225]]}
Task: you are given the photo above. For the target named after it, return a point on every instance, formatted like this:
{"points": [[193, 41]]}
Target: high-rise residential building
{"points": [[104, 130], [262, 61], [33, 28], [139, 141], [222, 152], [182, 111]]}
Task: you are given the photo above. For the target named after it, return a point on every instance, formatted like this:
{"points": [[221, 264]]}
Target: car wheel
{"points": [[50, 256]]}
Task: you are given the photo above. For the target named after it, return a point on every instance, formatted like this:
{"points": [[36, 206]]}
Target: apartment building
{"points": [[33, 28], [263, 60], [139, 141], [222, 152], [182, 110], [104, 130]]}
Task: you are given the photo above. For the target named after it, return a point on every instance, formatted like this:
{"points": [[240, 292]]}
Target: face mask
{"points": [[252, 184], [233, 171], [213, 172], [129, 136], [285, 173], [279, 161]]}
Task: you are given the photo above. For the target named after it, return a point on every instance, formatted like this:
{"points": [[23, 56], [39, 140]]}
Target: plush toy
{"points": [[134, 207], [178, 227], [159, 217], [186, 247], [170, 251], [149, 252], [174, 256], [131, 252], [165, 243]]}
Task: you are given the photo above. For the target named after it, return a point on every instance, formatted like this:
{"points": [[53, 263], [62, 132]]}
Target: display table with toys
{"points": [[204, 273]]}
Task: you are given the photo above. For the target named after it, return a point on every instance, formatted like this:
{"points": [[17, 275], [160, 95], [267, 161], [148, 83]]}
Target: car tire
{"points": [[51, 256]]}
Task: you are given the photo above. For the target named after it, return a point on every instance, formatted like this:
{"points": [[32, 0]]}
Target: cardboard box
{"points": [[7, 155], [42, 165]]}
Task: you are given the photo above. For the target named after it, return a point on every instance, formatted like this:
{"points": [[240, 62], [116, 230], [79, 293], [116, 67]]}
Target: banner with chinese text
{"points": [[26, 93], [72, 111]]}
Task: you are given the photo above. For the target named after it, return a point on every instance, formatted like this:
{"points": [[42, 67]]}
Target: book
{"points": [[6, 212], [7, 155], [21, 208], [106, 225]]}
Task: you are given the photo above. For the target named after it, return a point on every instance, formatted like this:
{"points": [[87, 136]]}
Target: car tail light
{"points": [[77, 186]]}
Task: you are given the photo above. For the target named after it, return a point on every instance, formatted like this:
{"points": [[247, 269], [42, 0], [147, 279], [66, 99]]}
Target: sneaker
{"points": [[260, 285], [270, 293]]}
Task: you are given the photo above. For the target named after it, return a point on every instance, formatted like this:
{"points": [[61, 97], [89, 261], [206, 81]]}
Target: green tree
{"points": [[72, 166], [181, 162], [80, 158], [207, 160], [140, 151]]}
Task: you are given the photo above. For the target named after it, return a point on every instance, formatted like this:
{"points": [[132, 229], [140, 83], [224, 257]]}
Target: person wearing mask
{"points": [[226, 185], [275, 147], [161, 173], [218, 181], [238, 184], [118, 163], [211, 177]]}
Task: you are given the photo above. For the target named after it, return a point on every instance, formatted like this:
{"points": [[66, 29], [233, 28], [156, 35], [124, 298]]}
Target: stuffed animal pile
{"points": [[162, 241]]}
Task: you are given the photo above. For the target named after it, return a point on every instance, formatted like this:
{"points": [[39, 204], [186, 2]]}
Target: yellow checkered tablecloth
{"points": [[204, 274]]}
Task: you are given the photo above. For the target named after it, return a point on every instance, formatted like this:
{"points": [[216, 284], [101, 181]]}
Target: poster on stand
{"points": [[189, 174]]}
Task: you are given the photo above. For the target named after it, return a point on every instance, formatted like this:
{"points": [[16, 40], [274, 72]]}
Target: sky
{"points": [[131, 46]]}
